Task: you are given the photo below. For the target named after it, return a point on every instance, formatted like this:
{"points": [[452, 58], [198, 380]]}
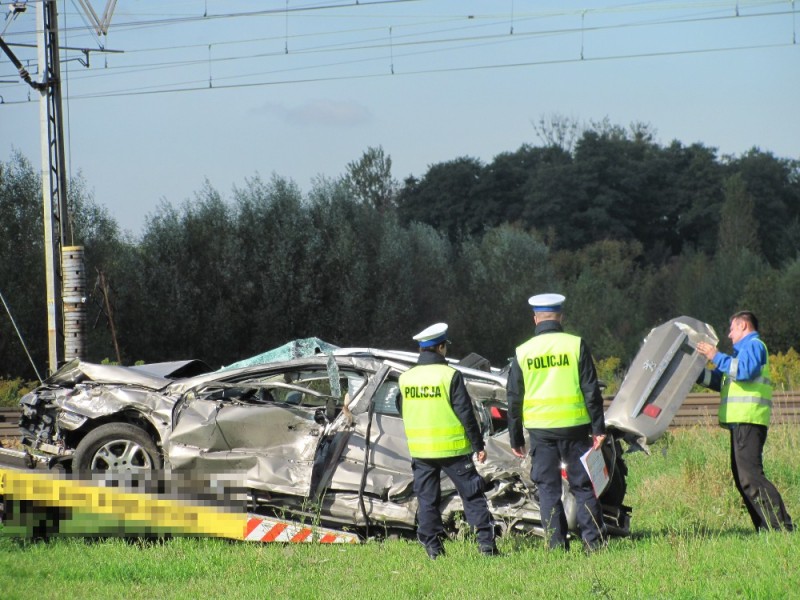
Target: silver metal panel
{"points": [[659, 378]]}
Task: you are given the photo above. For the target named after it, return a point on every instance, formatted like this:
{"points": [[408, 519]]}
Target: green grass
{"points": [[691, 539]]}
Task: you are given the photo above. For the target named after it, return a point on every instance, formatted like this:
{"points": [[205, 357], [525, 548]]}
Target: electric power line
{"points": [[442, 43]]}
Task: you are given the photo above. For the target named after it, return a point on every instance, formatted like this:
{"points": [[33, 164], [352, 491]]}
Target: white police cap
{"points": [[432, 336], [546, 302]]}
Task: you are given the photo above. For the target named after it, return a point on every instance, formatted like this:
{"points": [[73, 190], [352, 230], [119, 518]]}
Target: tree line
{"points": [[632, 232]]}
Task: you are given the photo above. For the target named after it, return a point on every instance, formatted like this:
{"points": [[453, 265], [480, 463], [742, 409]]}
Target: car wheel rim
{"points": [[121, 455]]}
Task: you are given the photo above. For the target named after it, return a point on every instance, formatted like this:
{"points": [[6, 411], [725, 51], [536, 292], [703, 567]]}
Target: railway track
{"points": [[8, 423], [701, 409]]}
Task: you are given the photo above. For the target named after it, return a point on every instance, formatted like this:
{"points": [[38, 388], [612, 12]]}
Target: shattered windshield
{"points": [[299, 387], [295, 349]]}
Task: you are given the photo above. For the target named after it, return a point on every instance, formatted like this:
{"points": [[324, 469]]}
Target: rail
{"points": [[701, 409], [9, 419], [697, 409]]}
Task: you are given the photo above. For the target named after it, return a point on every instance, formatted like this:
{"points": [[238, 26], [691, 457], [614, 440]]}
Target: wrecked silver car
{"points": [[316, 433], [316, 436]]}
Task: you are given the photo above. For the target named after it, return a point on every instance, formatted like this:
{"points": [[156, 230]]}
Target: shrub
{"points": [[609, 372], [785, 370], [11, 390]]}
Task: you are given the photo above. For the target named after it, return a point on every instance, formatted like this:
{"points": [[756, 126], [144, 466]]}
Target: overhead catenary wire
{"points": [[440, 44], [434, 41], [397, 40], [348, 45], [143, 24], [191, 87], [378, 41], [205, 17], [433, 71], [650, 6]]}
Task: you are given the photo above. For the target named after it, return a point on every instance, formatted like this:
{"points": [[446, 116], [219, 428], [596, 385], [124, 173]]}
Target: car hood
{"points": [[77, 371]]}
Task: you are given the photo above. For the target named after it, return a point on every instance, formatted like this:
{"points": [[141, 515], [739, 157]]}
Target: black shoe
{"points": [[434, 552], [489, 550]]}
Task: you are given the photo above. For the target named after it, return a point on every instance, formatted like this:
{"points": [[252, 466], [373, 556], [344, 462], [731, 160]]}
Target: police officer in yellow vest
{"points": [[743, 380], [553, 392], [442, 434]]}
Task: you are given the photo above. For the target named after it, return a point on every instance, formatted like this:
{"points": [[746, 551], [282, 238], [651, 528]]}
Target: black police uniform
{"points": [[551, 447], [460, 470]]}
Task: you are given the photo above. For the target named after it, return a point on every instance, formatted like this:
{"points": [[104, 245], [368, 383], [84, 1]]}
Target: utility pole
{"points": [[66, 283], [54, 176]]}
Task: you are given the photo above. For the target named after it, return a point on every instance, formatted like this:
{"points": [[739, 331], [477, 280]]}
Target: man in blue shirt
{"points": [[743, 380]]}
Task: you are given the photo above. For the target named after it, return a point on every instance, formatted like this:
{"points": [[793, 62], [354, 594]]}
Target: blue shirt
{"points": [[749, 356]]}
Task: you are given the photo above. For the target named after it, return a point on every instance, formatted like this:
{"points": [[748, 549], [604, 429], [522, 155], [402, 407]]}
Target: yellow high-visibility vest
{"points": [[432, 428], [553, 395], [746, 401]]}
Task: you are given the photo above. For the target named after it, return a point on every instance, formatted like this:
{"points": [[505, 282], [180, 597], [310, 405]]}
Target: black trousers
{"points": [[762, 499], [469, 484], [546, 457]]}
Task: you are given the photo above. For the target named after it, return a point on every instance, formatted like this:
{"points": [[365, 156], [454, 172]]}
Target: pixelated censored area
{"points": [[136, 505]]}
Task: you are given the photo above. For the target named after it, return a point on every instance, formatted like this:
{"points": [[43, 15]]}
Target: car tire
{"points": [[116, 447]]}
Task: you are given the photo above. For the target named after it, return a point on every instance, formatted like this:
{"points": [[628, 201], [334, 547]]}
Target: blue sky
{"points": [[224, 91]]}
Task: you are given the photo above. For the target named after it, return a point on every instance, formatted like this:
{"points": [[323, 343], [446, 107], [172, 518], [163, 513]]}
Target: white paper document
{"points": [[595, 466]]}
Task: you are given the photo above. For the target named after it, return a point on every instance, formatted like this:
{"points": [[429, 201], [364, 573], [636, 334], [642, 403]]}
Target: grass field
{"points": [[691, 538]]}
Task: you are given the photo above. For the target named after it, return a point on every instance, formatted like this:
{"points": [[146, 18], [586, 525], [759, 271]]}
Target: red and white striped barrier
{"points": [[262, 529]]}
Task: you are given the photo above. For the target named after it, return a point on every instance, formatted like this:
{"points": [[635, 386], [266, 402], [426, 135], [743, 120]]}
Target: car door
{"points": [[367, 451], [266, 428]]}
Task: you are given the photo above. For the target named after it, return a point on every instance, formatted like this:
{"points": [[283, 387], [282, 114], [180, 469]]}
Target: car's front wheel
{"points": [[116, 447]]}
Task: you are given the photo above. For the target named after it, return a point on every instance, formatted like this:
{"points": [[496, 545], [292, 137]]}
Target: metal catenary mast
{"points": [[65, 278], [54, 177]]}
